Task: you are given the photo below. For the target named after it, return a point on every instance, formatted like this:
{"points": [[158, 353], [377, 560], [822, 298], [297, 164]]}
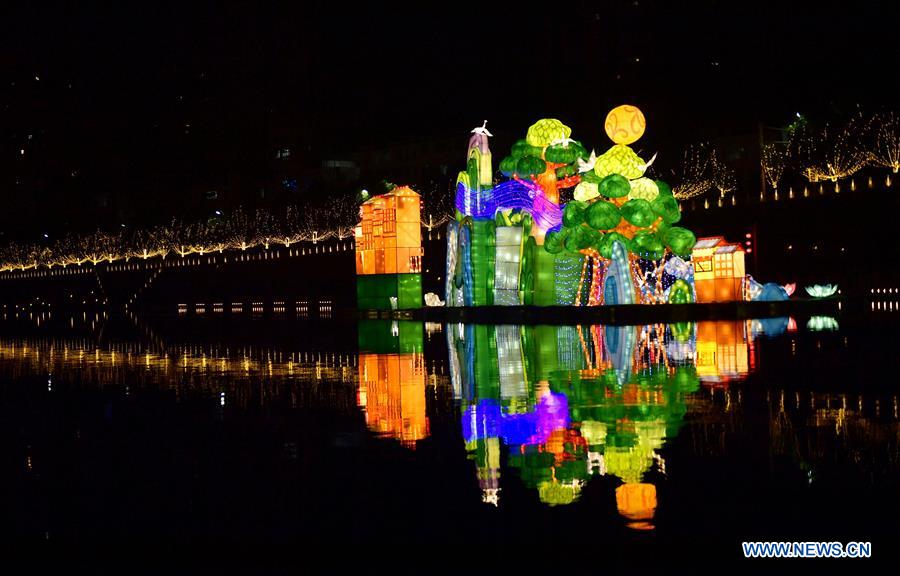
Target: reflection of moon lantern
{"points": [[625, 124]]}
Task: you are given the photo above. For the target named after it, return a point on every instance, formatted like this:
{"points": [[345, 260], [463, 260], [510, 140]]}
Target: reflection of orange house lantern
{"points": [[637, 502], [392, 393], [719, 270], [723, 351]]}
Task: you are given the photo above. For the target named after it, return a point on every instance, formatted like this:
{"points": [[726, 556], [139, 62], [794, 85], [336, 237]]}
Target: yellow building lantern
{"points": [[719, 270], [389, 251]]}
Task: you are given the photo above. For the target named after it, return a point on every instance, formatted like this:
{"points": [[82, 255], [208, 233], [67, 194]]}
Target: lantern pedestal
{"points": [[374, 291]]}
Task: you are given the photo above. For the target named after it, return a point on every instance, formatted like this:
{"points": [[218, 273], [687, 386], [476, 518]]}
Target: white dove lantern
{"points": [[586, 166], [482, 130], [481, 151], [564, 141]]}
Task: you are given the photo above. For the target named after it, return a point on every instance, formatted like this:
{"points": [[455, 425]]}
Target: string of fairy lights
{"points": [[694, 176], [885, 149], [832, 152], [238, 231], [774, 160], [828, 153], [723, 179]]}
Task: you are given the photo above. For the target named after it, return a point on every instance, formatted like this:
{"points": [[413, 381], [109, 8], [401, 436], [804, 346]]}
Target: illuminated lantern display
{"points": [[615, 243], [389, 251], [571, 403], [719, 272], [392, 380], [625, 124], [622, 225], [821, 291], [724, 351]]}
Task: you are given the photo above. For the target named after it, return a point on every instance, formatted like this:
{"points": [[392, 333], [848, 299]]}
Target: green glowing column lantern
{"points": [[508, 260], [482, 260], [535, 467], [544, 265], [453, 280]]}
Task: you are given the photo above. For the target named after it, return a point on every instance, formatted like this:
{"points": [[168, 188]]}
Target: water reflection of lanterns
{"points": [[589, 401], [724, 351], [392, 380], [637, 503]]}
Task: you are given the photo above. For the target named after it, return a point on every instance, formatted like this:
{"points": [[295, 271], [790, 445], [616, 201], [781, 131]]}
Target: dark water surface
{"points": [[482, 447]]}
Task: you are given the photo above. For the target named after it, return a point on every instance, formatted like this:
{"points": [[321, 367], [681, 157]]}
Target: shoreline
{"points": [[614, 315]]}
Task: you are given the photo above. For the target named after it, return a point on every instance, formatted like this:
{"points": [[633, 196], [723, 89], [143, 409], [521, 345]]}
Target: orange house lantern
{"points": [[389, 251], [389, 236], [719, 270]]}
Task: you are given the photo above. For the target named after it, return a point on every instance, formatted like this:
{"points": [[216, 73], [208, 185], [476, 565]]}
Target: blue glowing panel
{"points": [[510, 195]]}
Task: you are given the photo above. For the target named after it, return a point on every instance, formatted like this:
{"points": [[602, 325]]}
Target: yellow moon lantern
{"points": [[625, 124]]}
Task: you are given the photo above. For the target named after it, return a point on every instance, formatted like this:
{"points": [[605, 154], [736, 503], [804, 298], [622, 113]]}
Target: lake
{"points": [[486, 446]]}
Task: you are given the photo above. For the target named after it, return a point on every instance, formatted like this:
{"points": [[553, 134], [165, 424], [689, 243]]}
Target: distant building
{"points": [[423, 163], [340, 171]]}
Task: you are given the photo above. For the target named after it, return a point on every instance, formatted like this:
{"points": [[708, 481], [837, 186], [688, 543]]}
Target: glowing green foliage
{"points": [[573, 214], [614, 186], [638, 212], [544, 132], [680, 240], [667, 208], [602, 215]]}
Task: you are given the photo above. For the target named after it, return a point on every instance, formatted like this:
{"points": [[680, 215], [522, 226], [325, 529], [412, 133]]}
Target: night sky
{"points": [[132, 112]]}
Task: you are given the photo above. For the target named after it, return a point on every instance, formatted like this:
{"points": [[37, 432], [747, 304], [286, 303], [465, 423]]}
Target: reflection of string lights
{"points": [[241, 371]]}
